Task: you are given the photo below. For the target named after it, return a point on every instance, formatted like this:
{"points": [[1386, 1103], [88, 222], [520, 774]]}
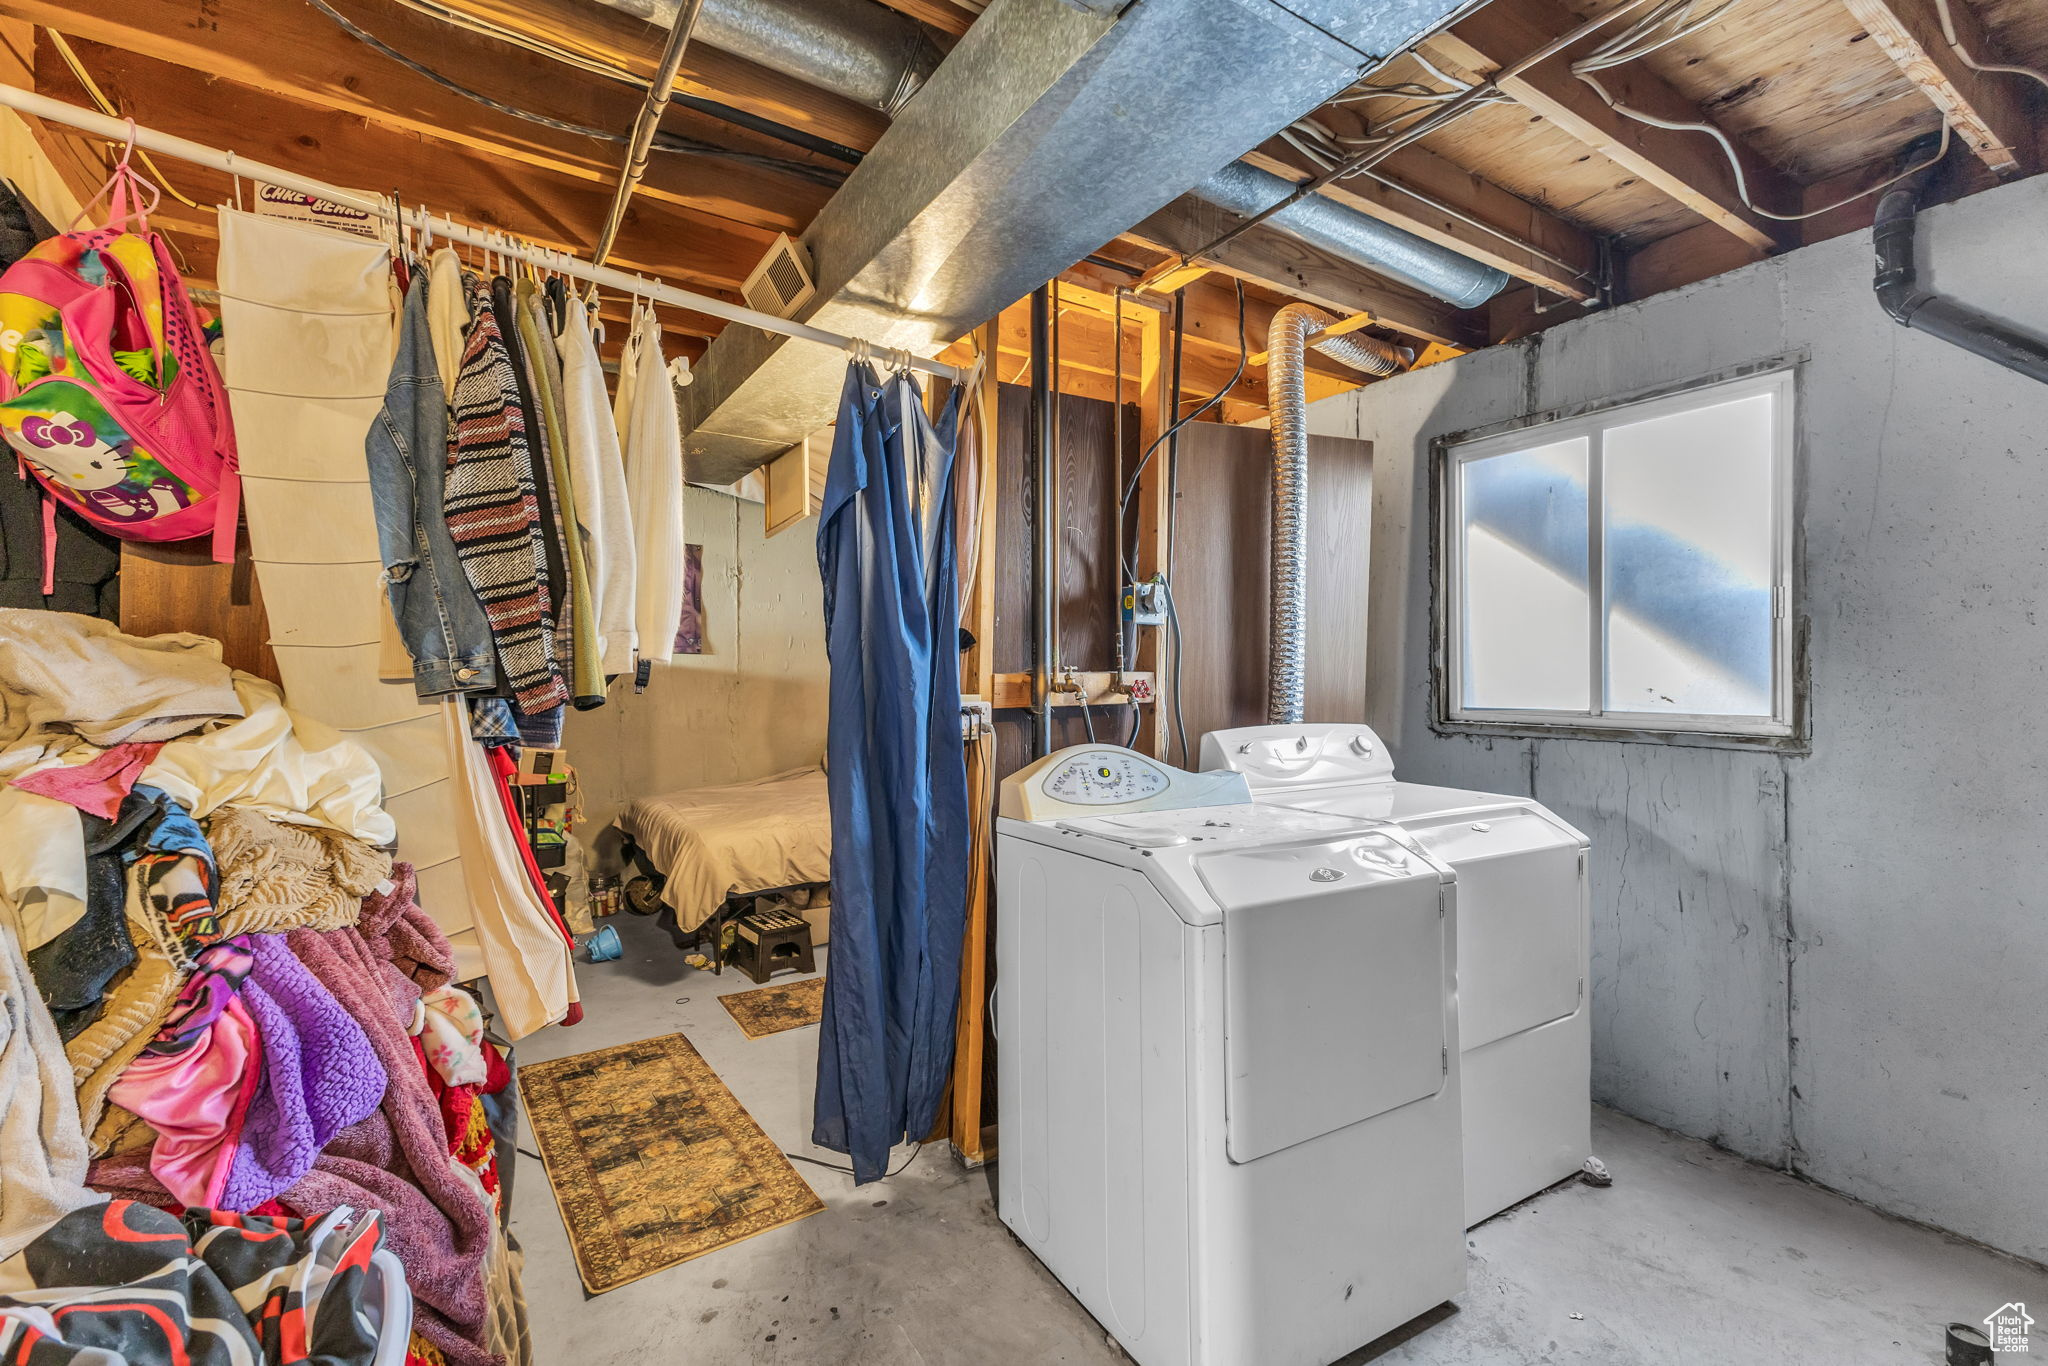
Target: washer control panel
{"points": [[1103, 777], [1100, 779]]}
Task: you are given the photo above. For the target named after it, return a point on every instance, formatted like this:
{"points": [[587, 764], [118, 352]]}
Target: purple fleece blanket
{"points": [[320, 1075]]}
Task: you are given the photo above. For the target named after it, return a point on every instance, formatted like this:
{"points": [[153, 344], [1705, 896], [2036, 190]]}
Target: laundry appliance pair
{"points": [[1273, 1035]]}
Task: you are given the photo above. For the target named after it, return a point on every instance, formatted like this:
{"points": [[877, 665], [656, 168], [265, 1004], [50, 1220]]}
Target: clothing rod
{"points": [[619, 281]]}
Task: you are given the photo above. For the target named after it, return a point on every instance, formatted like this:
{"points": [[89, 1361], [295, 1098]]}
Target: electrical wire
{"points": [[1948, 31], [835, 1167], [1666, 24], [1180, 727], [663, 141], [1167, 438], [1243, 352]]}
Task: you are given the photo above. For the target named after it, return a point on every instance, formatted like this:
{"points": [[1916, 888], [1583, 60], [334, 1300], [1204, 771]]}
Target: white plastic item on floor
{"points": [[1229, 1093], [1523, 916]]}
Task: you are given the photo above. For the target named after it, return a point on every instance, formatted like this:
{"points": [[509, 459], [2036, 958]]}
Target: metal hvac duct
{"points": [[1287, 343], [1345, 233], [1047, 130], [864, 51]]}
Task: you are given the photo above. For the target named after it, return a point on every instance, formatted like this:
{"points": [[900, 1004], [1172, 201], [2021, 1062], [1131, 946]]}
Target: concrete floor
{"points": [[1691, 1256]]}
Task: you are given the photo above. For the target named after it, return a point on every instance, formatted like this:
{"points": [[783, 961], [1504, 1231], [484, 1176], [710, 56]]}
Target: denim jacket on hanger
{"points": [[439, 617]]}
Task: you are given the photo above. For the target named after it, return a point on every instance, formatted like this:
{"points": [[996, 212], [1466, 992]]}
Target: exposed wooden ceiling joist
{"points": [[553, 210], [942, 15], [328, 69], [1687, 166], [1473, 200], [606, 36], [1987, 111], [1292, 267]]}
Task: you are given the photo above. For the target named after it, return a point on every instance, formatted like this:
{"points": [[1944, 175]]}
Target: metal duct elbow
{"points": [[1287, 343], [1899, 294], [864, 51], [1365, 242]]}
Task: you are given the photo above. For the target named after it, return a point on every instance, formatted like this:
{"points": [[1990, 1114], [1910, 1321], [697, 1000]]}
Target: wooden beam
{"points": [[1298, 270], [1689, 167], [611, 37], [977, 664], [1987, 111], [1098, 688], [962, 1117], [1683, 258], [1467, 196], [700, 250], [947, 18], [1155, 411], [242, 41]]}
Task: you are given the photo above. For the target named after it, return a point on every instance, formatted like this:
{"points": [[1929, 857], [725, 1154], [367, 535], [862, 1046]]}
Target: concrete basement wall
{"points": [[1831, 962], [753, 704]]}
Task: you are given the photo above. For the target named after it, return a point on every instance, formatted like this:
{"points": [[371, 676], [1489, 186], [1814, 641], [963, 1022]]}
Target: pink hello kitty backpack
{"points": [[108, 395]]}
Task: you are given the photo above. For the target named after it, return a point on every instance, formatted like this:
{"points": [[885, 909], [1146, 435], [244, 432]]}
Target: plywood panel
{"points": [[1798, 81], [2018, 27], [176, 586], [1524, 153], [1220, 576]]}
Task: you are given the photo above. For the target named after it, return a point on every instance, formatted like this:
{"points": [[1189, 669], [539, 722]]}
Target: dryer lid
{"points": [[1337, 986], [1311, 754]]}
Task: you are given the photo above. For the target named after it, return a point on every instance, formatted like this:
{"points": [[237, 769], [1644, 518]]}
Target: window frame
{"points": [[1784, 729]]}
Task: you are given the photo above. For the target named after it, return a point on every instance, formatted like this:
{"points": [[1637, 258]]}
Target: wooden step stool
{"points": [[768, 941]]}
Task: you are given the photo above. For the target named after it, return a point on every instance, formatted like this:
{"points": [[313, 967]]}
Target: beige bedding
{"points": [[712, 842]]}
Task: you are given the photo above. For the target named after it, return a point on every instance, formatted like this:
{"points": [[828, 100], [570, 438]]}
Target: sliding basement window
{"points": [[1624, 570]]}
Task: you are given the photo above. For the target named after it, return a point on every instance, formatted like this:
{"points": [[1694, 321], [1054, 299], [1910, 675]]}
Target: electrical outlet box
{"points": [[1145, 603]]}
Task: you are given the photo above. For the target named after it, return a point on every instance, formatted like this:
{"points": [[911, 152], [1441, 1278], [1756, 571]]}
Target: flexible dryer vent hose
{"points": [[1287, 398]]}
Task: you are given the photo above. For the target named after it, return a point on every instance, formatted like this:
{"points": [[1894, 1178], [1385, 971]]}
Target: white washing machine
{"points": [[1523, 917], [1229, 1062]]}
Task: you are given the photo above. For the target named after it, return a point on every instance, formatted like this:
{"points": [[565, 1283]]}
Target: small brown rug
{"points": [[772, 1009], [653, 1161]]}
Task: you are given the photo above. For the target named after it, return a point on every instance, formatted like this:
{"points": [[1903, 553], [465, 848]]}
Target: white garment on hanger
{"points": [[533, 978], [598, 474], [447, 315], [654, 487]]}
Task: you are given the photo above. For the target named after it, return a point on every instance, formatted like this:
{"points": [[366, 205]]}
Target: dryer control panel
{"points": [[1091, 780]]}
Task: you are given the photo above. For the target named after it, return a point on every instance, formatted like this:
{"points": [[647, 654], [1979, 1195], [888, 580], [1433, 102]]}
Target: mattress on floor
{"points": [[714, 842]]}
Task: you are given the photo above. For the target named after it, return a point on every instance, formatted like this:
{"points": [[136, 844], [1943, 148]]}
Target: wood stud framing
{"points": [[1986, 110]]}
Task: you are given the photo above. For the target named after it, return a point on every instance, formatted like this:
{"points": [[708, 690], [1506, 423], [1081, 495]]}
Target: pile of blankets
{"points": [[219, 986]]}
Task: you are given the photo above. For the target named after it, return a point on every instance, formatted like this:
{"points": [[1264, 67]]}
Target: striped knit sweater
{"points": [[493, 514]]}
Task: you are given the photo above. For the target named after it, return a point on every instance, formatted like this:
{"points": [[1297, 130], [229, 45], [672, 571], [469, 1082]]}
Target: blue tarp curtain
{"points": [[896, 770]]}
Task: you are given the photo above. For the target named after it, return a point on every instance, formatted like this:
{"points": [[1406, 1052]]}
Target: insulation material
{"points": [[311, 321]]}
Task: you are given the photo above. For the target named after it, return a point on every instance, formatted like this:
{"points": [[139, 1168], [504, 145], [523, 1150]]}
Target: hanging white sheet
{"points": [[311, 318]]}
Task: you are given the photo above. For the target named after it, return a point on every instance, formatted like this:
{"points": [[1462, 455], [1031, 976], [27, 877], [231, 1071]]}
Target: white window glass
{"points": [[1690, 561], [1525, 589], [1629, 569]]}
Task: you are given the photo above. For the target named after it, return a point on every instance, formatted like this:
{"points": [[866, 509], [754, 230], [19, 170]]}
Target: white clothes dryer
{"points": [[1229, 1062], [1524, 921]]}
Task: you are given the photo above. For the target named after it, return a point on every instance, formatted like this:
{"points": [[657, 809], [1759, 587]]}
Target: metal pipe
{"points": [[1043, 511], [866, 52], [1898, 280], [646, 122], [618, 281], [1287, 342], [1379, 247]]}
